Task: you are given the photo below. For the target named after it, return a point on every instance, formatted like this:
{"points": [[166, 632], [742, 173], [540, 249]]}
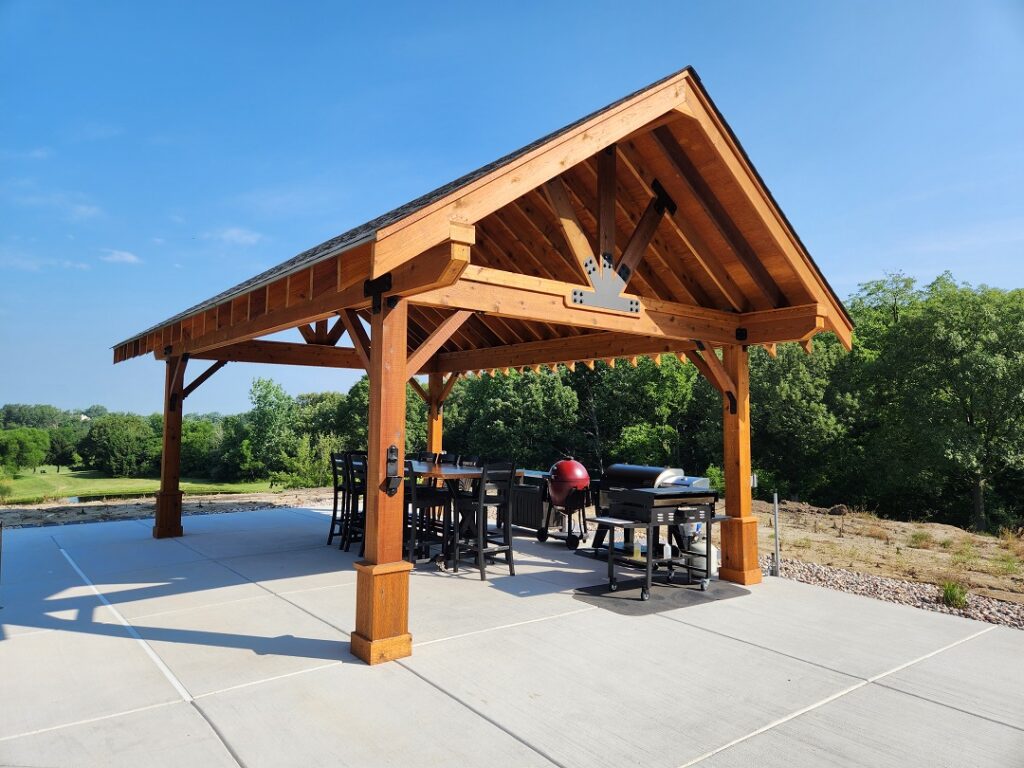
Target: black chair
{"points": [[473, 536], [338, 513], [427, 457], [422, 524], [355, 493], [451, 459]]}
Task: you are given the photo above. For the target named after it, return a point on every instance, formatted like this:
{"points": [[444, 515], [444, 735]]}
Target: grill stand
{"points": [[650, 562]]}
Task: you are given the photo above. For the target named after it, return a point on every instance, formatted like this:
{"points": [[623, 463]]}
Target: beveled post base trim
{"points": [[167, 524], [382, 612], [739, 551]]}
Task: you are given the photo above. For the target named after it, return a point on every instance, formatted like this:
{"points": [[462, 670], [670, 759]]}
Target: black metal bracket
{"points": [[393, 479], [664, 199], [732, 402], [375, 290], [741, 334]]}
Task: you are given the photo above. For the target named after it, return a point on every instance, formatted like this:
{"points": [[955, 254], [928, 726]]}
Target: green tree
{"points": [[122, 445], [958, 362], [270, 435], [526, 418], [23, 447], [200, 441], [64, 445], [39, 416]]}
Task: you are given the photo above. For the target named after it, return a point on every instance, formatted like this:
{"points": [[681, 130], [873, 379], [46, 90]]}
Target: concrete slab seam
{"points": [[264, 680], [829, 699], [172, 679], [950, 706], [482, 716], [504, 626], [87, 721]]}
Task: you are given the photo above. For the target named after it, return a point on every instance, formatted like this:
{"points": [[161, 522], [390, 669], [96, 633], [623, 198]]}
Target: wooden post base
{"points": [[739, 551], [167, 524], [382, 612]]}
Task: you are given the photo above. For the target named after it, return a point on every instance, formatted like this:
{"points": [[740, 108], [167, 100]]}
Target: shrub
{"points": [[877, 532], [921, 540], [954, 594]]}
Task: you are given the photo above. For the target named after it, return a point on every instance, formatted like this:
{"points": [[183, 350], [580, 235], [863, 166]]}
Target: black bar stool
{"points": [[472, 534], [340, 491], [422, 526], [355, 493]]}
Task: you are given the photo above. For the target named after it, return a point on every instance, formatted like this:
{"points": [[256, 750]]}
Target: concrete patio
{"points": [[230, 646]]}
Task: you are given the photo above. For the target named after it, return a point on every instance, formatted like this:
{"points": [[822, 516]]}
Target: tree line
{"points": [[924, 419]]}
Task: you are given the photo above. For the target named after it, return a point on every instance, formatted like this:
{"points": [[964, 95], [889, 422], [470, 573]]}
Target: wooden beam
{"points": [[419, 390], [739, 532], [320, 332], [640, 239], [718, 215], [308, 334], [446, 389], [711, 367], [533, 299], [382, 579], [334, 335], [689, 237], [198, 382], [703, 111], [575, 237], [435, 413], [427, 271], [605, 207], [473, 201], [434, 342], [167, 521], [285, 353], [357, 333], [554, 351]]}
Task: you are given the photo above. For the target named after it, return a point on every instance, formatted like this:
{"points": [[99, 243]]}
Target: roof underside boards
{"points": [[719, 241]]}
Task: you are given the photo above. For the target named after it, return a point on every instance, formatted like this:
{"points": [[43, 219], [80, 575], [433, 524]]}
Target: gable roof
{"points": [[497, 175]]}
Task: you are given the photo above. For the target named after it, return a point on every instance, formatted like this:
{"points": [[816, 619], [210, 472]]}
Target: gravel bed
{"points": [[912, 593]]}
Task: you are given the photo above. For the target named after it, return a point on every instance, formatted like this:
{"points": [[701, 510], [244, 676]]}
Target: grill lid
{"points": [[639, 476]]}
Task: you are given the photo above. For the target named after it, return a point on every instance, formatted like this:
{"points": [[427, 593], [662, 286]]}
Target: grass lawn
{"points": [[46, 483]]}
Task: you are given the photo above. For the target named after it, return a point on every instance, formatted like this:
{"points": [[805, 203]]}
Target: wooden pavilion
{"points": [[641, 229]]}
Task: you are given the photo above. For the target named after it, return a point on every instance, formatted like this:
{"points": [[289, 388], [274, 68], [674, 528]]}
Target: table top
{"points": [[452, 472]]}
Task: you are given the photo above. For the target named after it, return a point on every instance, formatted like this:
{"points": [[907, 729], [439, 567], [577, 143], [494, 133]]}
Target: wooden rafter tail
{"points": [[634, 360], [656, 359], [201, 378], [571, 365], [535, 368], [807, 345], [772, 349], [589, 364], [610, 362], [553, 367]]}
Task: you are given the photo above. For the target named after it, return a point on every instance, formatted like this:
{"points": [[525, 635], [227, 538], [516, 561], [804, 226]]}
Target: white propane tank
{"points": [[697, 556]]}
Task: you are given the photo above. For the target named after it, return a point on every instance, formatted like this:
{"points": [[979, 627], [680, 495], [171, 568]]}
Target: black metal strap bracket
{"points": [[393, 479], [375, 290]]}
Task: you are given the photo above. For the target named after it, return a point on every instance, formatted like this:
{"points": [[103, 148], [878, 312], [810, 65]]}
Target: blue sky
{"points": [[153, 154]]}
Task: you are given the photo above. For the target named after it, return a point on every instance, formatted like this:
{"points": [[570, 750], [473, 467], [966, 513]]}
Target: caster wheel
{"points": [[572, 541], [645, 595], [613, 586], [542, 534], [704, 583]]}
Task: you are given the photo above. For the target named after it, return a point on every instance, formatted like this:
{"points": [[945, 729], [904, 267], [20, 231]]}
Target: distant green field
{"points": [[46, 483]]}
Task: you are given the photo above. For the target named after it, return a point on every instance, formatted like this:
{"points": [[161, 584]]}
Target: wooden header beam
{"points": [[284, 353]]}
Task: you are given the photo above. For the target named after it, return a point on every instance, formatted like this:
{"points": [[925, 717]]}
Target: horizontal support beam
{"points": [[595, 346], [284, 353], [523, 297]]}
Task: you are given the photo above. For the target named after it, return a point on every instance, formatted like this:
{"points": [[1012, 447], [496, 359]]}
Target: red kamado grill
{"points": [[568, 496]]}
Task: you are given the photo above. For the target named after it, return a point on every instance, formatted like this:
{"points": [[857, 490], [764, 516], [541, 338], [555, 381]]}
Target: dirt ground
{"points": [[926, 552]]}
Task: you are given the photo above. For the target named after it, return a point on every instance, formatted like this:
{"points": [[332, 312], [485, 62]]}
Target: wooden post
{"points": [[382, 579], [168, 501], [739, 532], [435, 414]]}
